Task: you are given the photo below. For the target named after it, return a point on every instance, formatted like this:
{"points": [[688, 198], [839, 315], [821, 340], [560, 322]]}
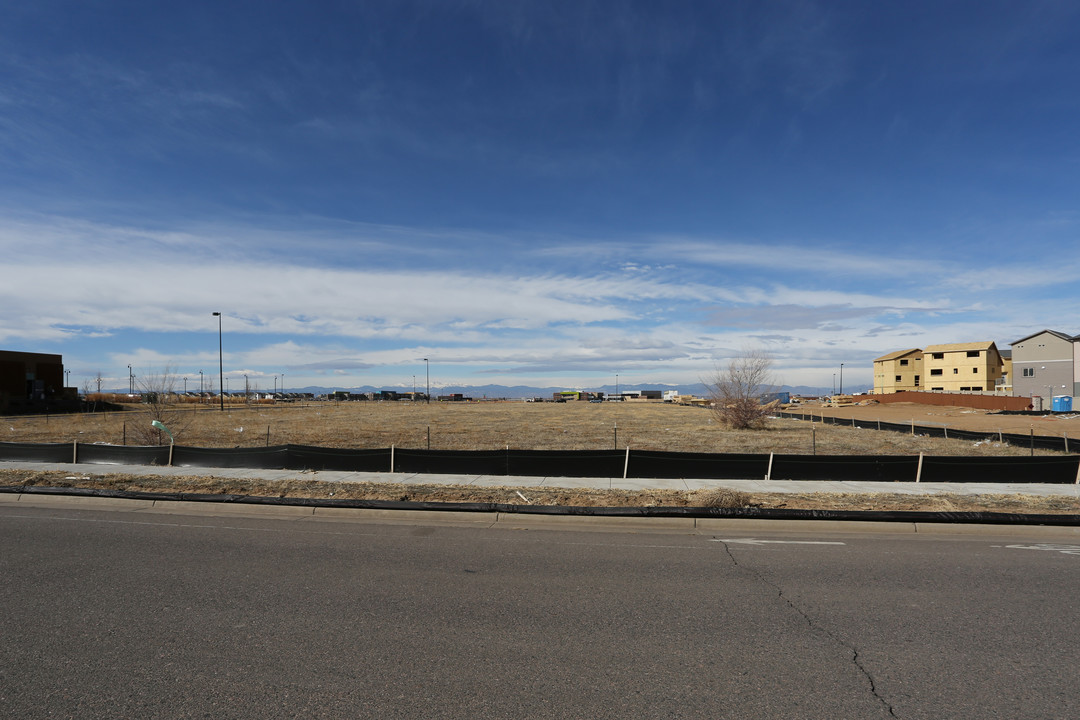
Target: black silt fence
{"points": [[544, 463], [1000, 469], [123, 454], [453, 462], [880, 468], [1041, 442], [267, 458], [704, 466], [568, 463], [36, 452], [307, 457], [574, 463]]}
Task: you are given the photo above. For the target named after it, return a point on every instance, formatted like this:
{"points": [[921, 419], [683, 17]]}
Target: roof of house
{"points": [[960, 347], [1063, 336], [897, 355]]}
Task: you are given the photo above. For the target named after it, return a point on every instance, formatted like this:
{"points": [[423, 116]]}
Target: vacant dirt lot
{"points": [[496, 425]]}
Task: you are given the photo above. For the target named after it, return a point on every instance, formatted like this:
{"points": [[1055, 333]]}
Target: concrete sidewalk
{"points": [[778, 486]]}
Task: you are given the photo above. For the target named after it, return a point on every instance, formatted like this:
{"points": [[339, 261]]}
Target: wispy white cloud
{"points": [[639, 314]]}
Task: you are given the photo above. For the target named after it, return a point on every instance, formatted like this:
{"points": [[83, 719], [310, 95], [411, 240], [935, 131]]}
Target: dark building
{"points": [[30, 381]]}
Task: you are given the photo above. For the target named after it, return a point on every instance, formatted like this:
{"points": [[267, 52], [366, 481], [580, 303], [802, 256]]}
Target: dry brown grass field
{"points": [[484, 426]]}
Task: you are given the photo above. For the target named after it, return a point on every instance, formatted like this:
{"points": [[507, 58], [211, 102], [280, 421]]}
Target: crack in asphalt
{"points": [[817, 628]]}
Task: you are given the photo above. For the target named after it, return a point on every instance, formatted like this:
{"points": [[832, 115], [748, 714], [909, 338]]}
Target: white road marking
{"points": [[755, 541], [1066, 549]]}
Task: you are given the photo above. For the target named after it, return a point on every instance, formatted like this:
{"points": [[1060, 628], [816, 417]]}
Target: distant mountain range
{"points": [[479, 392]]}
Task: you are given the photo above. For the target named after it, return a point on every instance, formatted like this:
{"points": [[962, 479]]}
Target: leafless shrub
{"points": [[737, 390], [156, 391]]}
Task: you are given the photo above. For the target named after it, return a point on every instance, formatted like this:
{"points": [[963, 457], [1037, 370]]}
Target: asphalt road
{"points": [[122, 614]]}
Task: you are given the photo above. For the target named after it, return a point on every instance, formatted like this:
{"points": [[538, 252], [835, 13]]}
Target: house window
{"points": [[973, 353], [903, 363], [974, 369], [939, 356], [956, 371], [977, 387], [898, 378], [916, 381], [1029, 372], [936, 371]]}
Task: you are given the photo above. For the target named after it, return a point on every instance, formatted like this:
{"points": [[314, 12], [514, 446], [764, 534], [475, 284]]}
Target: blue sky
{"points": [[541, 193]]}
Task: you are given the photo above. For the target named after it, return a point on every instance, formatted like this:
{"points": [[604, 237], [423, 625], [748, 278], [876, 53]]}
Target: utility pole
{"points": [[221, 365]]}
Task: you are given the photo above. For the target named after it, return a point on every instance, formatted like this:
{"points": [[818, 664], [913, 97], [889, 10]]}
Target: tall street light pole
{"points": [[221, 364], [841, 378], [427, 373]]}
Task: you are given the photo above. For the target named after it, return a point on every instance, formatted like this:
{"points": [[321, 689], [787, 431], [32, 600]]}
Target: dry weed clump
{"points": [[721, 498]]}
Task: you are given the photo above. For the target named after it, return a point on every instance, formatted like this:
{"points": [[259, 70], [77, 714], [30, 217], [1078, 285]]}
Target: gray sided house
{"points": [[1044, 365]]}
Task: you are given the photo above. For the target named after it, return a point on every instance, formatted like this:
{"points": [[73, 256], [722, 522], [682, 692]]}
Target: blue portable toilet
{"points": [[1062, 403]]}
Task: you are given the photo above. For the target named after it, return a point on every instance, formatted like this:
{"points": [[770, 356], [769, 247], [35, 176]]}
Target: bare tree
{"points": [[157, 391], [737, 390], [89, 397]]}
